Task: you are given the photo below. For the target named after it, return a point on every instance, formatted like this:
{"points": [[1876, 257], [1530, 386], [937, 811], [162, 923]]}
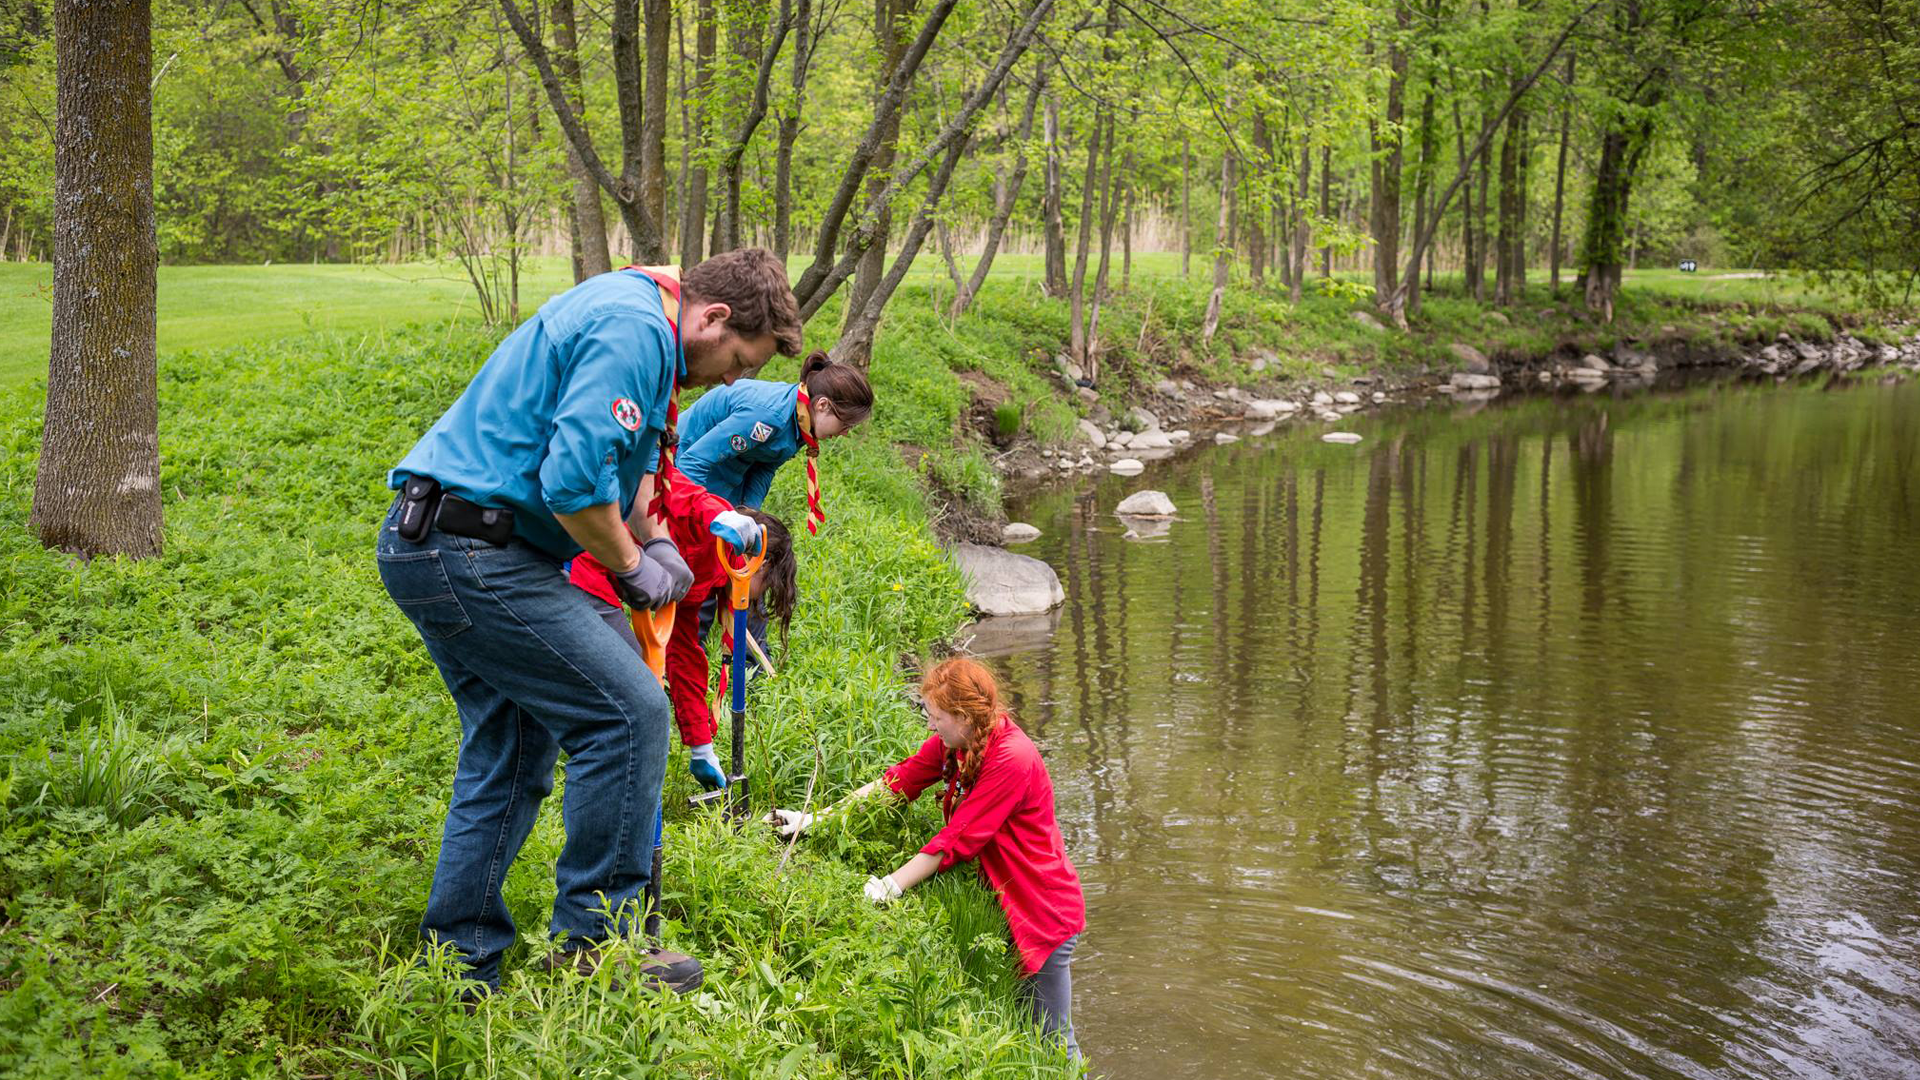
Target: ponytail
{"points": [[781, 568], [843, 384]]}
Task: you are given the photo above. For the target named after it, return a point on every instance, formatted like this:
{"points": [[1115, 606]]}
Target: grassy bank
{"points": [[227, 768], [227, 771]]}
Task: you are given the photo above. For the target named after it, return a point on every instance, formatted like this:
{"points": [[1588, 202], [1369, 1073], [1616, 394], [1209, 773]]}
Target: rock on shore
{"points": [[1000, 582], [1146, 504]]}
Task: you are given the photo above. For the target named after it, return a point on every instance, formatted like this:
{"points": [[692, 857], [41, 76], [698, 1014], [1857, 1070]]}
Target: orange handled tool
{"points": [[653, 628]]}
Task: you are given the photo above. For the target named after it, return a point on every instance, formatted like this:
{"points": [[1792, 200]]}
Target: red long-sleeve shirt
{"points": [[1006, 821], [690, 510]]}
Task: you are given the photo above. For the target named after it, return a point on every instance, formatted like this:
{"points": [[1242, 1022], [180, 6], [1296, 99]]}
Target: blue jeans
{"points": [[533, 671]]}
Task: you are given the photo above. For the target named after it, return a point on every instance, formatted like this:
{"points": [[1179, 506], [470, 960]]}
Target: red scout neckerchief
{"points": [[667, 278], [804, 411]]}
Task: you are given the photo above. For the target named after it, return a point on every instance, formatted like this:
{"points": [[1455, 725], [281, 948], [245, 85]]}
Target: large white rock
{"points": [[1466, 380], [1126, 466], [1587, 374], [1145, 504], [1341, 437], [1180, 437], [1322, 399], [1091, 432], [1151, 440], [1470, 358], [1000, 582], [1143, 419], [1018, 532], [1222, 438], [1270, 408], [1120, 439], [1347, 397]]}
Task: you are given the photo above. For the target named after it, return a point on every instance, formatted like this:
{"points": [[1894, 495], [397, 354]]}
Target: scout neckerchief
{"points": [[803, 408], [667, 278]]}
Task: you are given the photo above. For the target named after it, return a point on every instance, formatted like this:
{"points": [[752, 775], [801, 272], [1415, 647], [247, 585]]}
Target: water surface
{"points": [[1571, 737]]}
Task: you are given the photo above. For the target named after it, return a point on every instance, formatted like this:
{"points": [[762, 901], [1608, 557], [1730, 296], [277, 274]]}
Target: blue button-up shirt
{"points": [[736, 437], [564, 415]]}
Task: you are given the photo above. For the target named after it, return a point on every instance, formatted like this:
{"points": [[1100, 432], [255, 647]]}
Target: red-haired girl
{"points": [[998, 804]]}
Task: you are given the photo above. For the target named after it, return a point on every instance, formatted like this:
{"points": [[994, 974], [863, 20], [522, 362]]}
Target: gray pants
{"points": [[1050, 995]]}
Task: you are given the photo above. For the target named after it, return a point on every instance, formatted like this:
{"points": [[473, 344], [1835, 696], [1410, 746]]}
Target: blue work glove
{"points": [[738, 530], [644, 586], [680, 579], [704, 764]]}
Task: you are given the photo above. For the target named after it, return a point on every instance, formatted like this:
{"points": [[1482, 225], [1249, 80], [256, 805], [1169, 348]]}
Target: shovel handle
{"points": [[738, 578], [653, 628]]}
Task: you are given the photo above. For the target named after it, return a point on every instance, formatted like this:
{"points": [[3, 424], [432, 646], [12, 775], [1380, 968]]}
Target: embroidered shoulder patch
{"points": [[626, 414], [761, 432], [738, 442]]}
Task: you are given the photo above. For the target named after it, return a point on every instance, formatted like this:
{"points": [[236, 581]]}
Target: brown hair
{"points": [[966, 689], [842, 384], [753, 283], [781, 568]]}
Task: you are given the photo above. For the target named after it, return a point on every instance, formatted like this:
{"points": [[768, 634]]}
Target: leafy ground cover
{"points": [[226, 772]]}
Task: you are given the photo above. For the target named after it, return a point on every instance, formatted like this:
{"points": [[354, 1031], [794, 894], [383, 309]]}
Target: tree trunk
{"points": [[1503, 258], [1056, 238], [586, 217], [1326, 206], [1259, 171], [1077, 291], [1009, 196], [1126, 226], [1302, 227], [1386, 171], [766, 44], [856, 341], [693, 214], [1186, 211], [1525, 157], [1223, 241], [1560, 175], [658, 16], [889, 38], [1110, 185], [789, 131], [1422, 182], [1603, 248], [97, 490]]}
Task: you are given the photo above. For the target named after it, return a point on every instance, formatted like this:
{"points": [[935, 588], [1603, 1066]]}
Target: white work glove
{"points": [[880, 890], [790, 822], [738, 530]]}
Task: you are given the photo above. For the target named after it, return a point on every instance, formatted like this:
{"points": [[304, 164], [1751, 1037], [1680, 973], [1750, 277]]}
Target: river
{"points": [[1568, 737]]}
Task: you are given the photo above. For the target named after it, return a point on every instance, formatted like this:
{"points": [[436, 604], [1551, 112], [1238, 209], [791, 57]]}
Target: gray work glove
{"points": [[680, 579], [645, 586]]}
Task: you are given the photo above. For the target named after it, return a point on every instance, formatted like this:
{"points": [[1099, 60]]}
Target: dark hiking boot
{"points": [[658, 967]]}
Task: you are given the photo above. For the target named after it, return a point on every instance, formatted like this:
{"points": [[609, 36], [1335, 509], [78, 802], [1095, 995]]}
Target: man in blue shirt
{"points": [[546, 454]]}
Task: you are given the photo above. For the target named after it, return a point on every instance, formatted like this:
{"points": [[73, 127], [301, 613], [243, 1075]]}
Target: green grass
{"points": [[227, 770]]}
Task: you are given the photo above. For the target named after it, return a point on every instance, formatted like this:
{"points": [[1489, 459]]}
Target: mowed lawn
{"points": [[206, 307]]}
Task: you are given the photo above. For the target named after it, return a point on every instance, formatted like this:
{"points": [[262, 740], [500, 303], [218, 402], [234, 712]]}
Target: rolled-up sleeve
{"points": [[917, 773], [611, 374], [978, 818]]}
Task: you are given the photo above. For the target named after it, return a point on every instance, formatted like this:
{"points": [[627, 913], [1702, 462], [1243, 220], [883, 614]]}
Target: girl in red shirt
{"points": [[691, 515], [998, 803]]}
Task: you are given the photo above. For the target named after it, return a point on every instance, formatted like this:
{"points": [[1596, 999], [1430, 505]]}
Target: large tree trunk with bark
{"points": [[97, 491], [889, 37], [765, 45], [1054, 226], [1604, 249], [586, 217]]}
